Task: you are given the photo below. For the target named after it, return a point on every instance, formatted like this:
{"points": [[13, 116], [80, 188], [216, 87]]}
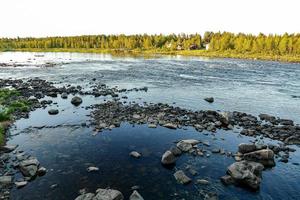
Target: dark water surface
{"points": [[67, 150]]}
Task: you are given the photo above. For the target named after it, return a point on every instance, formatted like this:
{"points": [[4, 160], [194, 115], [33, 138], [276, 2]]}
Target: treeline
{"points": [[287, 44]]}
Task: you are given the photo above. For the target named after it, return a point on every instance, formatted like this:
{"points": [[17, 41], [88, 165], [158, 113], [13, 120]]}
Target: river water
{"points": [[66, 151]]}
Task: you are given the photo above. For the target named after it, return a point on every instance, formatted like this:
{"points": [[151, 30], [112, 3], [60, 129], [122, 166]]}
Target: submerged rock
{"points": [[168, 158], [135, 196], [76, 101], [181, 177]]}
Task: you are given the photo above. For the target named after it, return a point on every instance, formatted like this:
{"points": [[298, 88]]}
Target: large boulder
{"points": [[264, 156], [108, 194], [246, 148], [168, 158], [246, 173]]}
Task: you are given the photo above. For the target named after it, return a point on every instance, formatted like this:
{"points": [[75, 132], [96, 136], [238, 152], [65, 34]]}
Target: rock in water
{"points": [[64, 95], [135, 196], [108, 194], [209, 99], [170, 126], [5, 180], [135, 154], [92, 169], [246, 173], [76, 101], [264, 156], [8, 148], [53, 112], [181, 177], [186, 145], [168, 158], [87, 196], [246, 148], [29, 167], [20, 184]]}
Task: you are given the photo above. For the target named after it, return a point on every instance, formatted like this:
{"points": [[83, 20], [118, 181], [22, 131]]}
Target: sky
{"points": [[40, 18]]}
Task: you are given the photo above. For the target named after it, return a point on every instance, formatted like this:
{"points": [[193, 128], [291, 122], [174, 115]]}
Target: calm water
{"points": [[66, 151]]}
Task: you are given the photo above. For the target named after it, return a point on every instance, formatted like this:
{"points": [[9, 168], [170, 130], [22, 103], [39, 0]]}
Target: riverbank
{"points": [[154, 52]]}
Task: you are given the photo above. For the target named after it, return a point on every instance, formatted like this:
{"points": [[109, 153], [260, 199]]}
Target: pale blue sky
{"points": [[78, 17]]}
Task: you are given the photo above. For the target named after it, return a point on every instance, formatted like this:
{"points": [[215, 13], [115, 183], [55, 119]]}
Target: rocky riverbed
{"points": [[84, 137]]}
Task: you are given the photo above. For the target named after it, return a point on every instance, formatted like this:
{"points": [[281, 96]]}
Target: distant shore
{"points": [[149, 53]]}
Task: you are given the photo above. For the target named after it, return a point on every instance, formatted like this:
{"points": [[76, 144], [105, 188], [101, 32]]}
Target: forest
{"points": [[279, 45]]}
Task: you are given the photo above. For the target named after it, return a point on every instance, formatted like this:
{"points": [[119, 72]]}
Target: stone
{"points": [[42, 171], [168, 158], [181, 177], [64, 95], [176, 151], [20, 184], [292, 140], [209, 99], [186, 145], [227, 180], [108, 194], [246, 148], [6, 180], [202, 181], [76, 101], [170, 126], [135, 154], [246, 173], [92, 169], [264, 156], [152, 125], [8, 148], [53, 112], [29, 167], [87, 196], [135, 196]]}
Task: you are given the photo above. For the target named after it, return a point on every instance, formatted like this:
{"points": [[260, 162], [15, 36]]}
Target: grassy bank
{"points": [[149, 53], [9, 105]]}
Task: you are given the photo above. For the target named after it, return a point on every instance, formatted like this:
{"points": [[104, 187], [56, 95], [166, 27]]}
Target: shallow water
{"points": [[67, 150]]}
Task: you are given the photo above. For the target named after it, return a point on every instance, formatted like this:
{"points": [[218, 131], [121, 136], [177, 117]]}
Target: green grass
{"points": [[152, 52], [10, 104]]}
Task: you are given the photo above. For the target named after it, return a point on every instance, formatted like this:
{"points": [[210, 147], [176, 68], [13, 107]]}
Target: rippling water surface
{"points": [[250, 86]]}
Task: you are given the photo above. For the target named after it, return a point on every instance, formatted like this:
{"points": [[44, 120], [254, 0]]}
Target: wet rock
{"points": [[53, 112], [92, 169], [170, 126], [135, 196], [42, 171], [176, 151], [264, 156], [186, 145], [29, 167], [168, 158], [5, 180], [246, 173], [202, 182], [8, 148], [135, 154], [209, 99], [108, 194], [268, 118], [227, 180], [76, 101], [292, 140], [211, 196], [64, 95], [246, 148], [87, 196], [20, 184], [181, 177], [215, 151], [152, 125]]}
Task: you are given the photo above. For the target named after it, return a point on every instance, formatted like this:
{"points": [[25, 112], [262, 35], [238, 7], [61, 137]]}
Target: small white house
{"points": [[206, 46]]}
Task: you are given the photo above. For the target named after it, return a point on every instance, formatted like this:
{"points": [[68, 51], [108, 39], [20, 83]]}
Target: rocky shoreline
{"points": [[251, 158]]}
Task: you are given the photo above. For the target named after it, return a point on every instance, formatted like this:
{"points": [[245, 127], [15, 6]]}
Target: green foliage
{"points": [[2, 135]]}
